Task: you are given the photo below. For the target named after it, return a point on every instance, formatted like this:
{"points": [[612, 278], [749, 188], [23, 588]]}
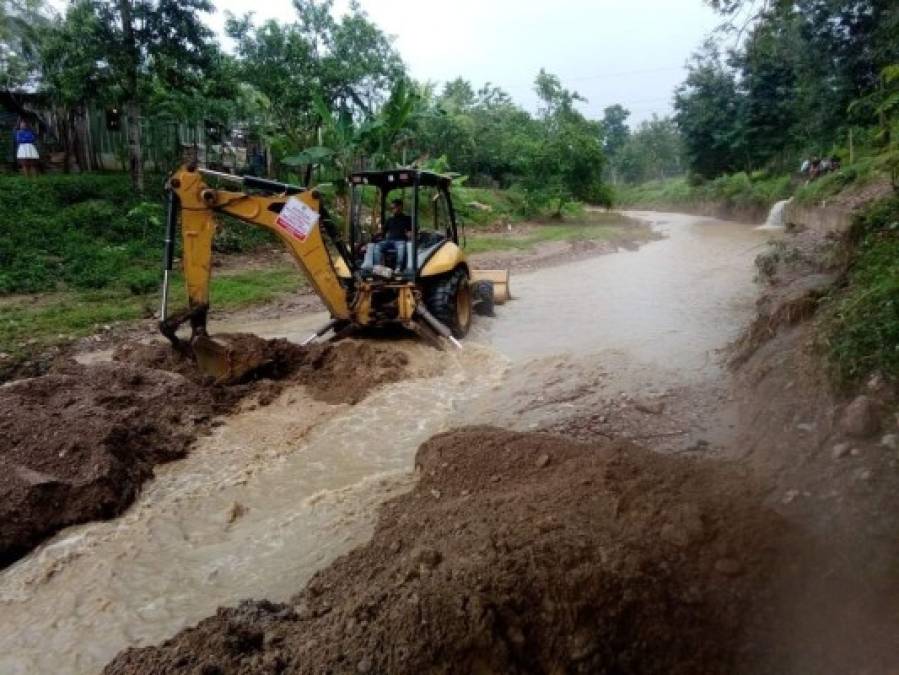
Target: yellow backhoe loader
{"points": [[422, 282]]}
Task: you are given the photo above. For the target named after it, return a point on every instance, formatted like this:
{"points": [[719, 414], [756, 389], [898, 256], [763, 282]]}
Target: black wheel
{"points": [[449, 300]]}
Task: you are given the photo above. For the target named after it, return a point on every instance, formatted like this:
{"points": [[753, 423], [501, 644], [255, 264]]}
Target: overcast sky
{"points": [[611, 51]]}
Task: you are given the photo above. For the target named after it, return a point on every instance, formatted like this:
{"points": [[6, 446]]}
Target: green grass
{"points": [[740, 190], [504, 205], [89, 231], [28, 324], [590, 226], [860, 321]]}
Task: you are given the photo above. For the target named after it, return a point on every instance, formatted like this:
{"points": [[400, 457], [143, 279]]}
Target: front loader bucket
{"points": [[228, 360], [500, 281]]}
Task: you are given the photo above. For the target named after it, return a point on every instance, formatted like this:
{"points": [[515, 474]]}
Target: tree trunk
{"points": [[132, 106], [135, 160], [62, 124]]}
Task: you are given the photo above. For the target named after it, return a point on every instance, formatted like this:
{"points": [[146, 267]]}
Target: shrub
{"points": [[861, 321]]}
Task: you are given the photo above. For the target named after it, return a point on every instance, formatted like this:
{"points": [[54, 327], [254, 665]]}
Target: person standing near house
{"points": [[26, 149]]}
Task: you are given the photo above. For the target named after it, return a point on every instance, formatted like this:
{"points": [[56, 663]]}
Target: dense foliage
{"points": [[809, 78], [861, 320], [736, 193], [87, 232], [324, 94]]}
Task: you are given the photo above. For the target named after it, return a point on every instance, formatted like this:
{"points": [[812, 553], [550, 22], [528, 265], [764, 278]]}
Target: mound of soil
{"points": [[343, 372], [79, 441], [516, 553]]}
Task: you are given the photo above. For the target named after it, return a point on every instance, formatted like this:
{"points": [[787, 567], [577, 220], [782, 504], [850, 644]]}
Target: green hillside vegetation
{"points": [[859, 325], [739, 190]]}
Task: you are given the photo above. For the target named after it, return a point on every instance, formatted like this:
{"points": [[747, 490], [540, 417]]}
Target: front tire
{"points": [[449, 300]]}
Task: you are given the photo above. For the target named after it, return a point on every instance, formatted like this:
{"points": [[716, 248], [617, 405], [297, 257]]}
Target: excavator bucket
{"points": [[499, 279], [227, 360]]}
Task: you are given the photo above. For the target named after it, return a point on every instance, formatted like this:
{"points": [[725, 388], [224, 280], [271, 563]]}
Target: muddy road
{"points": [[622, 345]]}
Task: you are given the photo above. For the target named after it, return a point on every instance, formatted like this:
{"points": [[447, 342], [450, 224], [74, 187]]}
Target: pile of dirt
{"points": [[517, 553], [80, 441], [342, 372]]}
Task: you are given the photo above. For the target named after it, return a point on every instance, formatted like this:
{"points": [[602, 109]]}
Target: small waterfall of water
{"points": [[776, 215]]}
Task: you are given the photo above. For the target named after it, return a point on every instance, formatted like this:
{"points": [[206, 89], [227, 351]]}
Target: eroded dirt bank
{"points": [[80, 441], [829, 459], [517, 553]]}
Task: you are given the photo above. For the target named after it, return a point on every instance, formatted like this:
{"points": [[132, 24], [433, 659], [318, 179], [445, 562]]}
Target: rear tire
{"points": [[449, 300]]}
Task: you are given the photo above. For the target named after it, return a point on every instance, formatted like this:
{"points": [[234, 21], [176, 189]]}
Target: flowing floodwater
{"points": [[669, 305], [278, 492], [776, 216]]}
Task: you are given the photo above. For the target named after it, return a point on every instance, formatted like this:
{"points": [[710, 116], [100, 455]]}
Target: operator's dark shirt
{"points": [[397, 226]]}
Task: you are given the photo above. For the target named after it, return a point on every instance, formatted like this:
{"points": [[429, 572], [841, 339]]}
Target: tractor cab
{"points": [[401, 220]]}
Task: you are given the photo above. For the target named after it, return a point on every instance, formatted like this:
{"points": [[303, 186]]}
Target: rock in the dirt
{"points": [[236, 511], [790, 496], [364, 665], [34, 478], [890, 441], [860, 418], [840, 450], [650, 407], [542, 461], [428, 557]]}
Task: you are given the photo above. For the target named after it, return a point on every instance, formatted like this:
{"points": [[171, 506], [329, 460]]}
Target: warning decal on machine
{"points": [[297, 218]]}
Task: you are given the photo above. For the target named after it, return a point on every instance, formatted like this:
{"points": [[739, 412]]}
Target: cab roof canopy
{"points": [[400, 178]]}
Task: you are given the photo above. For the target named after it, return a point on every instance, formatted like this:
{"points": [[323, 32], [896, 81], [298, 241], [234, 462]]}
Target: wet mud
{"points": [[344, 372], [517, 553], [80, 441]]}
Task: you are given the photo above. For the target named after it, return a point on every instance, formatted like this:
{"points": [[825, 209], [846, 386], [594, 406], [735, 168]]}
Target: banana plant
{"points": [[347, 142]]}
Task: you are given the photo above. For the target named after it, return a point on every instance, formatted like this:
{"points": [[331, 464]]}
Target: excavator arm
{"points": [[292, 214]]}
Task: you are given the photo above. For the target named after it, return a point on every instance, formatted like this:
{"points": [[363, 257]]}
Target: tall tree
{"points": [[653, 151], [348, 63], [127, 46], [614, 128], [709, 114], [615, 134], [567, 160], [768, 66]]}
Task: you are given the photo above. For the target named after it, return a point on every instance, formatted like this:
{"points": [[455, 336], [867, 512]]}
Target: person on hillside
{"points": [[26, 149], [815, 169]]}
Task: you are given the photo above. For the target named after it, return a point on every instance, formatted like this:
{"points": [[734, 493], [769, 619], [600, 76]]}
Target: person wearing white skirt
{"points": [[26, 150]]}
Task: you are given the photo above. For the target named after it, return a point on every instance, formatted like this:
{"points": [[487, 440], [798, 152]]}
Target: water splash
{"points": [[775, 219]]}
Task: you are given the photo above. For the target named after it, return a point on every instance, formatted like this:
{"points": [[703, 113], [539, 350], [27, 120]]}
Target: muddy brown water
{"points": [[280, 491]]}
